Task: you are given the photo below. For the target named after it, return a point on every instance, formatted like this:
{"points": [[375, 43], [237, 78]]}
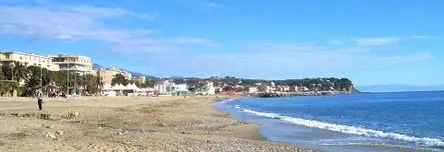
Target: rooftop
{"points": [[23, 53]]}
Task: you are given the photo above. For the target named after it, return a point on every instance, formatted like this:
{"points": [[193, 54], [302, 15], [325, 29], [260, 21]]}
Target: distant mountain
{"points": [[398, 88], [135, 74], [177, 77], [97, 66]]}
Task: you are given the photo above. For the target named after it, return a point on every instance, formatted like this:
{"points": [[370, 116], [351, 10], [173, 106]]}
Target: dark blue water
{"points": [[360, 122]]}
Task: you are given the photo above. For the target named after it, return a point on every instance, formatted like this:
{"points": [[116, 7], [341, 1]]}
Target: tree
{"points": [[261, 88], [147, 84], [7, 70], [37, 76], [90, 83], [7, 87], [119, 79], [59, 78], [2, 74], [228, 88], [20, 71]]}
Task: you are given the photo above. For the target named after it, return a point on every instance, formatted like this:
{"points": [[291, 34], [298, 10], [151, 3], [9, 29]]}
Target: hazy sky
{"points": [[370, 42]]}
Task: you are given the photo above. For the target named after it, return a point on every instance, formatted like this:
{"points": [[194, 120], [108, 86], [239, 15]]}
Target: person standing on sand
{"points": [[39, 97]]}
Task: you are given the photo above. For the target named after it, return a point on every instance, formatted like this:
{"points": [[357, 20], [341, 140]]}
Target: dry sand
{"points": [[126, 124]]}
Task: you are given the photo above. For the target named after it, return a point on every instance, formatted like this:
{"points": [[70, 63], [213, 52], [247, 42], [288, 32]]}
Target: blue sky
{"points": [[372, 42]]}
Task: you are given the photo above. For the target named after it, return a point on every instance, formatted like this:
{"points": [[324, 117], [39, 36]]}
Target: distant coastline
{"points": [[290, 94]]}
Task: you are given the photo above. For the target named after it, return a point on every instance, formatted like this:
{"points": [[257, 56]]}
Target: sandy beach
{"points": [[126, 124]]}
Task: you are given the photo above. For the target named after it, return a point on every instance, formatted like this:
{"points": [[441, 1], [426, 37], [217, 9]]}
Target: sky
{"points": [[372, 42]]}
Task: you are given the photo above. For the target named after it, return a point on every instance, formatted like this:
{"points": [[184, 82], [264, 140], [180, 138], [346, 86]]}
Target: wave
{"points": [[237, 106], [432, 142], [226, 100]]}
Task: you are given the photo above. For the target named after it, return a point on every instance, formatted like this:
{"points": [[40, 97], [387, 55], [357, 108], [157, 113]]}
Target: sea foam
{"points": [[226, 100], [433, 142]]}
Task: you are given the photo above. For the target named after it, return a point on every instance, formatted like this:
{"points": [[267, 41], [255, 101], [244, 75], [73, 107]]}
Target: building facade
{"points": [[169, 88], [210, 88], [79, 64], [253, 90], [140, 79], [28, 59], [107, 74]]}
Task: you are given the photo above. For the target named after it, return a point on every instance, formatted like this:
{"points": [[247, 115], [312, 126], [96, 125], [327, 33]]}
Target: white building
{"points": [[129, 90], [210, 88], [253, 90], [169, 88], [79, 64], [28, 59], [207, 89]]}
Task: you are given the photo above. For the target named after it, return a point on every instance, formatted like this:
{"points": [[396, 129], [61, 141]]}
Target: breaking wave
{"points": [[432, 142]]}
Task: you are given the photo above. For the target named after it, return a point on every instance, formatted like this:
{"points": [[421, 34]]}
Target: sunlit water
{"points": [[412, 121]]}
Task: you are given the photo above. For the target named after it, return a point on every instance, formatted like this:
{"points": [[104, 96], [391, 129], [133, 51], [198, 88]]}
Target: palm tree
{"points": [[59, 78], [119, 79], [2, 74], [37, 76], [7, 71], [89, 83], [21, 72], [7, 87]]}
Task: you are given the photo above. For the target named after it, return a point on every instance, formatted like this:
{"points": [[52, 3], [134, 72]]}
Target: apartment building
{"points": [[169, 88], [79, 64], [107, 74], [28, 59]]}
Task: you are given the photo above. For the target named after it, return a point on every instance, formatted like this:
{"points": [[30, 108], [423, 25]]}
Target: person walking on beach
{"points": [[39, 96]]}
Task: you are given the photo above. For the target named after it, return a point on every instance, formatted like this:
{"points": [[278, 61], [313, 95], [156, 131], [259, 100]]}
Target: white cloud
{"points": [[10, 1], [82, 22], [270, 60], [335, 42], [420, 37], [214, 5], [64, 37], [376, 41]]}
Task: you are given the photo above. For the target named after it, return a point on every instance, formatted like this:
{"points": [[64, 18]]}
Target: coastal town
{"points": [[113, 81], [221, 76], [88, 107]]}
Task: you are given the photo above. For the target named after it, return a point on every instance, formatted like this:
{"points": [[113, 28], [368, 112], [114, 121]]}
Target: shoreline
{"points": [[277, 131], [128, 124], [230, 116]]}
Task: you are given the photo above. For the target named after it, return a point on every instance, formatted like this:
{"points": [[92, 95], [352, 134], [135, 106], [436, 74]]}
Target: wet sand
{"points": [[126, 124]]}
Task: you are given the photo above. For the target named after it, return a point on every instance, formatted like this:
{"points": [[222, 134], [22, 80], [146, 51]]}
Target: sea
{"points": [[364, 122]]}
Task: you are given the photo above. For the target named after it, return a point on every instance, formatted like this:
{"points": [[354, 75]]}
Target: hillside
{"points": [[135, 74]]}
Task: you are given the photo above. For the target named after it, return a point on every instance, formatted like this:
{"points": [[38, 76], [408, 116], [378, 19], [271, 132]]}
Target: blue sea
{"points": [[404, 121]]}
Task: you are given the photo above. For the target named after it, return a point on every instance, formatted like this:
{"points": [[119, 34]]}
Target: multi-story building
{"points": [[79, 64], [169, 88], [140, 79], [253, 90], [107, 74], [28, 59], [210, 88]]}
